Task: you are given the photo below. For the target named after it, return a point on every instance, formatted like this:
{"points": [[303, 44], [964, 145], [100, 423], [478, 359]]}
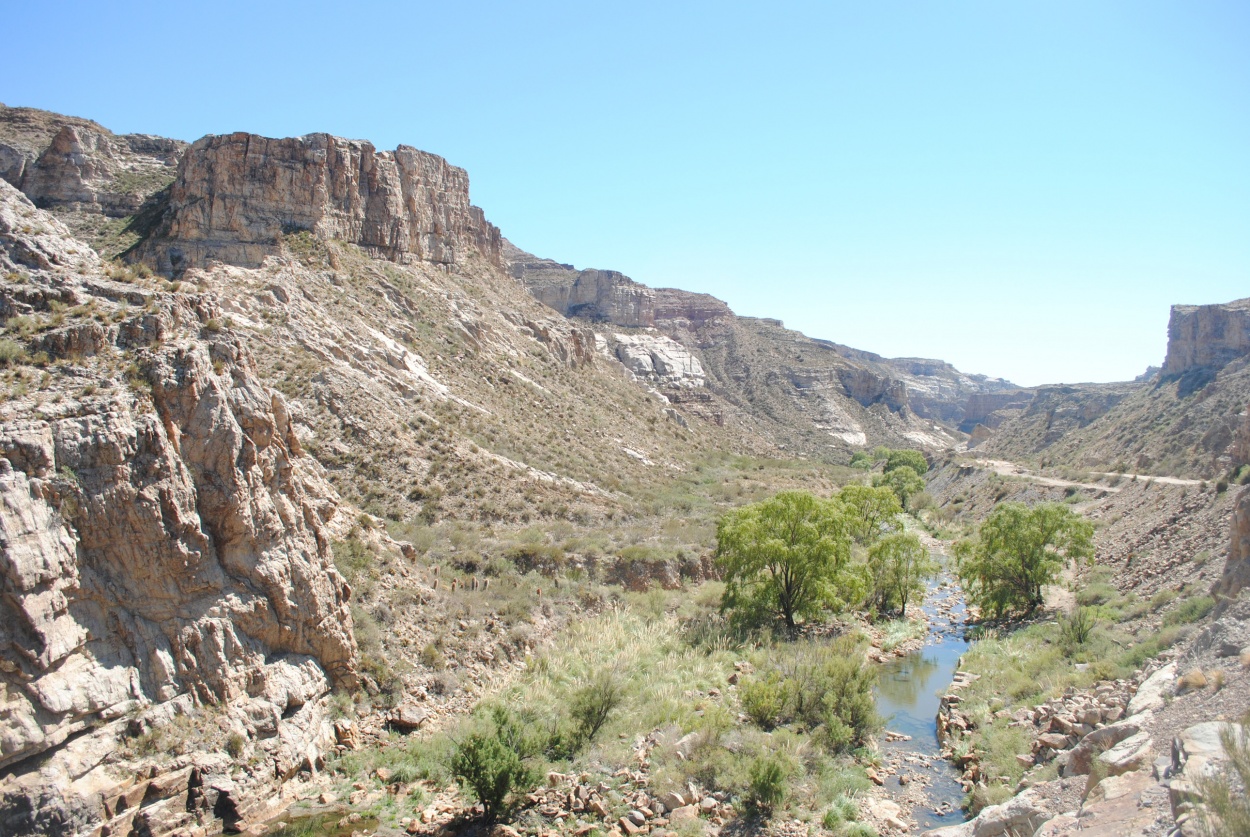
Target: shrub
{"points": [[764, 700], [1077, 627], [592, 705], [826, 687], [491, 763], [235, 744], [1227, 809], [11, 352], [766, 788], [1190, 611], [1095, 594]]}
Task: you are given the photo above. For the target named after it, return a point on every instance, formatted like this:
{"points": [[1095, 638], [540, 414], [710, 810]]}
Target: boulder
{"points": [[1150, 694], [408, 717], [1100, 740], [1021, 815], [1133, 753]]}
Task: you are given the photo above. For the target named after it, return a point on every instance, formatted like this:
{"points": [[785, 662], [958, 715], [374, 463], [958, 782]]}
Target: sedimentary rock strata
{"points": [[236, 195]]}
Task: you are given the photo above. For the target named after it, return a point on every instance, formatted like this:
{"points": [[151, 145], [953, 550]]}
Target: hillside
{"points": [[813, 396], [1179, 423], [301, 460]]}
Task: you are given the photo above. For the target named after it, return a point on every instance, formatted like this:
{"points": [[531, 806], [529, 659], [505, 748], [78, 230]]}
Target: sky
{"points": [[1019, 188]]}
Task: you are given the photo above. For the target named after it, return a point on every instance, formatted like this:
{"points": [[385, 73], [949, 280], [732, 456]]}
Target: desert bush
{"points": [[1077, 627], [1227, 808], [764, 699], [11, 353], [1190, 610], [594, 703], [1096, 594], [767, 786], [824, 686], [491, 762], [235, 744]]}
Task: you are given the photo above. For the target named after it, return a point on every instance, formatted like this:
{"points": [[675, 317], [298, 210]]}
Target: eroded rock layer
{"points": [[1206, 336], [236, 195], [160, 541]]}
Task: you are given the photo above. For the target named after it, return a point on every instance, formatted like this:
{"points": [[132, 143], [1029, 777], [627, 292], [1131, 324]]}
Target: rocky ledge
{"points": [[236, 195]]}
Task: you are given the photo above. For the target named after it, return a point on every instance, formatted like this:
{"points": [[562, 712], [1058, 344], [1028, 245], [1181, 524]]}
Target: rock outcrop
{"points": [[659, 359], [161, 540], [601, 296], [1236, 575], [1206, 336], [991, 409], [236, 195], [72, 164], [678, 311]]}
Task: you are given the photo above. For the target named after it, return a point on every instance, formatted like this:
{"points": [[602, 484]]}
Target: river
{"points": [[908, 692]]}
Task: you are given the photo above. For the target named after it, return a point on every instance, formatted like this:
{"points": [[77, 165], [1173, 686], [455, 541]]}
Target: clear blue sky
{"points": [[1021, 188]]}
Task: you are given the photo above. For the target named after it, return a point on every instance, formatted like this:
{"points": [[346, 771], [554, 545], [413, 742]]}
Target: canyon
{"points": [[275, 410]]}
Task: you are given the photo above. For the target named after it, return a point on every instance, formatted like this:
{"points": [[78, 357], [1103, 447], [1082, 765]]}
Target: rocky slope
{"points": [[812, 395], [166, 539], [1181, 422], [105, 187]]}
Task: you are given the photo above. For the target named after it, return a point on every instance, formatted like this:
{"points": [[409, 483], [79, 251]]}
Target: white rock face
{"points": [[1150, 695], [658, 358]]}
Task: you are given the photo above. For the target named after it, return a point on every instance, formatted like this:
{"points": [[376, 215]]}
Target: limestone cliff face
{"points": [[604, 296], [235, 195], [678, 311], [991, 409], [659, 359], [65, 163], [1206, 336], [164, 539]]}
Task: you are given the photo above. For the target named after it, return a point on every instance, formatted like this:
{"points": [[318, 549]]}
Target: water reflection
{"points": [[908, 693], [901, 682]]}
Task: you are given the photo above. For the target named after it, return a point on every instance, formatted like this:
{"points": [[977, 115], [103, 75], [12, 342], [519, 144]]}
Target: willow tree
{"points": [[899, 568], [787, 557], [1017, 551]]}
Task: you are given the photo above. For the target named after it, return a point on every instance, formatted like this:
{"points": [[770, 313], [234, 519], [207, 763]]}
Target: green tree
{"points": [[786, 557], [899, 566], [903, 480], [492, 762], [1017, 551], [913, 459], [873, 512]]}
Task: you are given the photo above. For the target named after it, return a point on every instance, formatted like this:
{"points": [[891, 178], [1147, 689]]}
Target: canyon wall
{"points": [[163, 536], [1206, 336], [65, 163], [236, 195]]}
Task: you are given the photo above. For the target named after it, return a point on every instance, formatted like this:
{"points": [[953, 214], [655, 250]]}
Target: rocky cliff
{"points": [[1206, 336], [235, 196], [165, 538], [604, 296], [813, 390], [68, 164]]}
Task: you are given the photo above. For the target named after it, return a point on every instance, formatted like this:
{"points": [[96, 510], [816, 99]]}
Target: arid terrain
{"points": [[306, 469]]}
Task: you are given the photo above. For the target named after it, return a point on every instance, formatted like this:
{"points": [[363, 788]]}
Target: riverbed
{"points": [[908, 692]]}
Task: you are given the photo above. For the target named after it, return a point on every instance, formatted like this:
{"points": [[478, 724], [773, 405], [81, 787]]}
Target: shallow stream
{"points": [[908, 691]]}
